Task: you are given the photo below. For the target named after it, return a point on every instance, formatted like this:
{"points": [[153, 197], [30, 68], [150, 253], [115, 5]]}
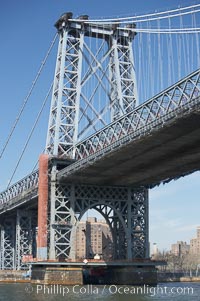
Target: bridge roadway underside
{"points": [[161, 154]]}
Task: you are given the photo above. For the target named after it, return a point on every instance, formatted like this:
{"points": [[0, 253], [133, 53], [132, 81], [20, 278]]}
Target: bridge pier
{"points": [[60, 210], [125, 209]]}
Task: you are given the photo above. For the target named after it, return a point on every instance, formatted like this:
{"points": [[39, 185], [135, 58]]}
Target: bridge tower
{"points": [[94, 84], [94, 81]]}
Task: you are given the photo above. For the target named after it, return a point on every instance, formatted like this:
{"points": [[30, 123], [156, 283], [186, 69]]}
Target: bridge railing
{"points": [[22, 186], [179, 95]]}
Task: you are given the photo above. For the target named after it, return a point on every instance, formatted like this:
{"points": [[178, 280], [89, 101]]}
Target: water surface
{"points": [[164, 291]]}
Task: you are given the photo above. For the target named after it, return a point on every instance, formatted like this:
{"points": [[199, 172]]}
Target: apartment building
{"points": [[195, 244], [94, 237]]}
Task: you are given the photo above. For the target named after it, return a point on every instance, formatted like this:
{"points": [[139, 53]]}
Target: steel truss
{"points": [[125, 210], [122, 76], [7, 255], [18, 239], [26, 223], [106, 64], [23, 186], [177, 99]]}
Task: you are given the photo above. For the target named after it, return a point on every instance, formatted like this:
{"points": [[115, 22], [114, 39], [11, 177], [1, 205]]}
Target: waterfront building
{"points": [[180, 248], [154, 250], [195, 243]]}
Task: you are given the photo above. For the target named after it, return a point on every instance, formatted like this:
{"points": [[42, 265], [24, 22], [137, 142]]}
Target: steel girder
{"points": [[107, 65], [125, 210]]}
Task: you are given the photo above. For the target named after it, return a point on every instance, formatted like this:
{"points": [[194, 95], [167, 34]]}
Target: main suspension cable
{"points": [[145, 16], [31, 132], [28, 96], [164, 30]]}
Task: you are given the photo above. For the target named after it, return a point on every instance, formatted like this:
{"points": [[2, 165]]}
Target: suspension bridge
{"points": [[106, 146]]}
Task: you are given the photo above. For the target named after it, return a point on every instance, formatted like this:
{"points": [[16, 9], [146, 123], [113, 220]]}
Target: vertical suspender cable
{"points": [[197, 43], [169, 51], [183, 60], [150, 55], [139, 52], [160, 62], [193, 45], [179, 48]]}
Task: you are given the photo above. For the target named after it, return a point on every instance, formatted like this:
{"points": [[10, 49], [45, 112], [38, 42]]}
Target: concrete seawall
{"points": [[176, 277], [79, 275], [190, 279], [13, 276]]}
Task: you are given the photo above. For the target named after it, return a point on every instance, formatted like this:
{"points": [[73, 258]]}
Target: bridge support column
{"points": [[131, 225], [62, 222], [8, 244], [25, 237], [138, 224], [52, 254], [119, 237], [42, 208]]}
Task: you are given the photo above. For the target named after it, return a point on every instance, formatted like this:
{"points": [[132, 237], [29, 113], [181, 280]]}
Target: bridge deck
{"points": [[166, 150]]}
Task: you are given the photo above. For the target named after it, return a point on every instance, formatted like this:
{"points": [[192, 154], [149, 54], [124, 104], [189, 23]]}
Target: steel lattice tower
{"points": [[87, 52], [94, 85]]}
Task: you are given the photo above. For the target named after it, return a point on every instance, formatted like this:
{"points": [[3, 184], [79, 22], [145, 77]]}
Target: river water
{"points": [[164, 291]]}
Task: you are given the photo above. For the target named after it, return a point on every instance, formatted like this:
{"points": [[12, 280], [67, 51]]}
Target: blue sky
{"points": [[26, 31]]}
